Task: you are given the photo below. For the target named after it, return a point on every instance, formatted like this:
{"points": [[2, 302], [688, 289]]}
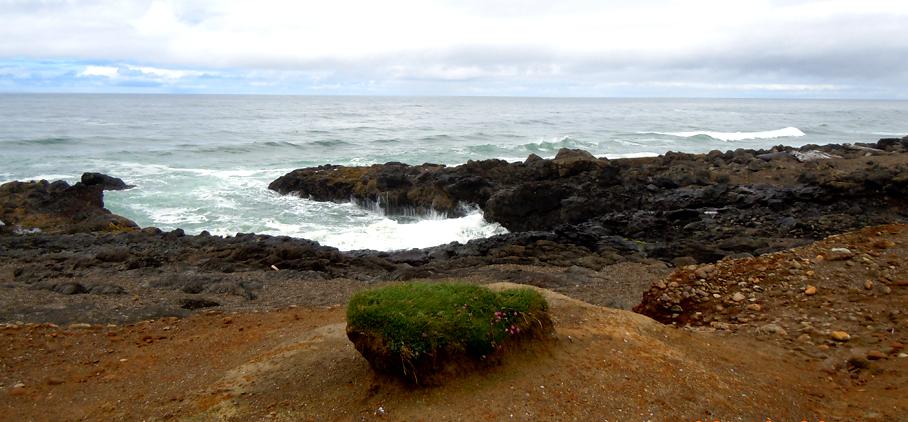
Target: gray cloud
{"points": [[837, 47]]}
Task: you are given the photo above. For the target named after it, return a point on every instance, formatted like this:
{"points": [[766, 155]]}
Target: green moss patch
{"points": [[425, 332]]}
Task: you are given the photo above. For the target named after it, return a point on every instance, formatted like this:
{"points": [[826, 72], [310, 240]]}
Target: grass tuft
{"points": [[418, 329]]}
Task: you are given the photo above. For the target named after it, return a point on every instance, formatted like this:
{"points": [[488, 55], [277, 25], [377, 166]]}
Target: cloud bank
{"points": [[779, 48]]}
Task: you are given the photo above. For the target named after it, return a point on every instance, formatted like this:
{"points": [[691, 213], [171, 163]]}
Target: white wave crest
{"points": [[385, 234], [740, 136]]}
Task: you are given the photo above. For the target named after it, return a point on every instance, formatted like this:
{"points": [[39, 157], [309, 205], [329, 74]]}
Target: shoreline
{"points": [[574, 220], [721, 292]]}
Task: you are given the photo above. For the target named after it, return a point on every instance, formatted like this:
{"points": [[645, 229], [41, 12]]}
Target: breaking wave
{"points": [[788, 132]]}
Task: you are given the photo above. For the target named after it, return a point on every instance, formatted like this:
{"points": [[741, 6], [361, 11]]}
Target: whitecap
{"points": [[381, 233], [51, 177], [739, 136]]}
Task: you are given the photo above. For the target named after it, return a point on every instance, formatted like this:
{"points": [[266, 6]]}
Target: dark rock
{"points": [[104, 181], [197, 303], [105, 289], [113, 254], [775, 156], [58, 208], [69, 288]]}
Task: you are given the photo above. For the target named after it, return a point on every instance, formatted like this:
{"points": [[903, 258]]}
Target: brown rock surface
{"points": [[58, 208], [296, 364]]}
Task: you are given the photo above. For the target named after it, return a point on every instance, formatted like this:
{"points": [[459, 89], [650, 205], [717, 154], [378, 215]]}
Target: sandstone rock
{"points": [[705, 271], [875, 355], [883, 244], [840, 336]]}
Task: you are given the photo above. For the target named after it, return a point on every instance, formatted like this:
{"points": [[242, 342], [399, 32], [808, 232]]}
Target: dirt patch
{"points": [[297, 364]]}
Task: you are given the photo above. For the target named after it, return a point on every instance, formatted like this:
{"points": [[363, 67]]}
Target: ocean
{"points": [[204, 162]]}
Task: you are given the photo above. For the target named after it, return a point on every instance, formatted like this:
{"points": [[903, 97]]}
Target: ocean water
{"points": [[204, 162]]}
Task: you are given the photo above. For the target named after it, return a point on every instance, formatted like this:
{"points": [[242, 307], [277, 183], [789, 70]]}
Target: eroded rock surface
{"points": [[693, 207], [60, 208]]}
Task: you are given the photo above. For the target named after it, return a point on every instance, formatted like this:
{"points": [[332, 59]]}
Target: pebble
{"points": [[883, 244], [227, 320], [839, 254], [772, 329], [868, 284], [754, 307], [810, 290], [79, 325], [19, 385], [54, 381], [738, 296], [704, 271], [903, 355], [804, 338], [875, 355], [840, 336]]}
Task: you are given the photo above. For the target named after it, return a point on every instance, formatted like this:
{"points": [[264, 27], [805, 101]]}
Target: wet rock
{"points": [[104, 181], [58, 208]]}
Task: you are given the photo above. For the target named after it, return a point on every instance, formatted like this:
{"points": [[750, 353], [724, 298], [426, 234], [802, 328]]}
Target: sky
{"points": [[564, 48]]}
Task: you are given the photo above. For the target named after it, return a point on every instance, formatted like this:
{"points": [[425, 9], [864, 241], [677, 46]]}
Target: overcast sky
{"points": [[700, 48]]}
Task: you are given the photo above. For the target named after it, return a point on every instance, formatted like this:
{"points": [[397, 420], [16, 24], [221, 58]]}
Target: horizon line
{"points": [[267, 94]]}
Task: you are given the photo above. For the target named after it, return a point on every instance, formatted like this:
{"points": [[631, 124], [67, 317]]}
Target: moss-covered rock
{"points": [[426, 332]]}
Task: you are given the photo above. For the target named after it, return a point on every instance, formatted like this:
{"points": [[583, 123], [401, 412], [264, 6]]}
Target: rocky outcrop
{"points": [[60, 208], [402, 189], [104, 181], [700, 207]]}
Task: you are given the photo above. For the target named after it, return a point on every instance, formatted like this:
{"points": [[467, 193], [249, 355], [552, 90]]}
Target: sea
{"points": [[204, 162]]}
